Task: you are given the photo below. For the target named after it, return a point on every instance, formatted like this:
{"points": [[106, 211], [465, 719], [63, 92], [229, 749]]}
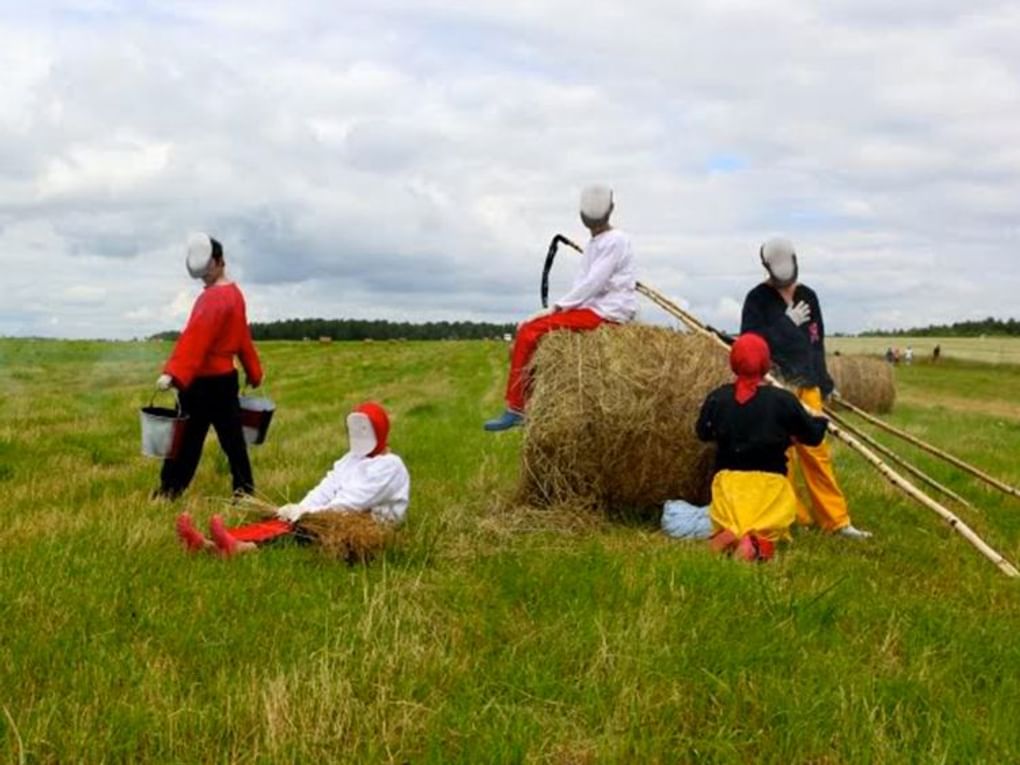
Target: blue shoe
{"points": [[509, 419]]}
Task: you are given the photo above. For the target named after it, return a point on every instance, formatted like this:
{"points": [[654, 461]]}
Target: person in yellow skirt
{"points": [[753, 425], [788, 315]]}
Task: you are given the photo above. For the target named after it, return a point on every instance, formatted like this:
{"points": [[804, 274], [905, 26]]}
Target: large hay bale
{"points": [[864, 381], [611, 418]]}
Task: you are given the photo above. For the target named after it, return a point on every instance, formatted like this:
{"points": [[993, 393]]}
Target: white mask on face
{"points": [[361, 434], [200, 255], [780, 259], [783, 270], [596, 202]]}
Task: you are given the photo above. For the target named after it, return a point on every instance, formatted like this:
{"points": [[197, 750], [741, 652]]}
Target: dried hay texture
{"points": [[611, 418], [351, 537], [864, 381]]}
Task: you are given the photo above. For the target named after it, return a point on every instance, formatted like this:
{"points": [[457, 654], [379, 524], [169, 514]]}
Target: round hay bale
{"points": [[611, 418], [864, 381]]}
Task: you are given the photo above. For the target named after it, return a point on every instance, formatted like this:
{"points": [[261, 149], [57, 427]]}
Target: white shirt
{"points": [[607, 279], [380, 484]]}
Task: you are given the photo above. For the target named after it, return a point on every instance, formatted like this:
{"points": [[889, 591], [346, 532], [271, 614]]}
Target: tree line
{"points": [[369, 329], [989, 326]]}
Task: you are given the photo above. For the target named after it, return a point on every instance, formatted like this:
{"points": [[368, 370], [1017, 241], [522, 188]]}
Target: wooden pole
{"points": [[934, 450], [891, 455], [891, 475]]}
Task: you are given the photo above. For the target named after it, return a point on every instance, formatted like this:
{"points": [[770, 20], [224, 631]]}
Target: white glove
{"points": [[538, 315], [799, 314], [290, 513], [165, 382]]}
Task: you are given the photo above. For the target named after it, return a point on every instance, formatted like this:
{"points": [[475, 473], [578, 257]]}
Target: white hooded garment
{"points": [[607, 280], [380, 484]]}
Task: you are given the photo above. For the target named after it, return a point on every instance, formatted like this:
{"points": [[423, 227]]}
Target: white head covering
{"points": [[596, 201], [200, 254], [361, 434], [779, 257]]}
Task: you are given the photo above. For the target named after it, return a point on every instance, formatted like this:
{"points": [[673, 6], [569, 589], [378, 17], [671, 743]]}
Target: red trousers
{"points": [[526, 342], [264, 531]]}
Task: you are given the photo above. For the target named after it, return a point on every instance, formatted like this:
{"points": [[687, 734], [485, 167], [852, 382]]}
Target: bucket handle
{"points": [[261, 389], [177, 398]]}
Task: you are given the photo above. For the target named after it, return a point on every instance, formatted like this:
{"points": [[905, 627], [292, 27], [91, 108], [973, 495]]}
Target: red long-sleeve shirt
{"points": [[216, 332]]}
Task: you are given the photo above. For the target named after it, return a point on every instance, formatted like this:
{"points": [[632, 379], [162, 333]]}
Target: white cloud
{"points": [[412, 159]]}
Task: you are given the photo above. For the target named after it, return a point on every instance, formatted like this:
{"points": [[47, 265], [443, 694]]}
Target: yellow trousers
{"points": [[828, 505], [744, 502]]}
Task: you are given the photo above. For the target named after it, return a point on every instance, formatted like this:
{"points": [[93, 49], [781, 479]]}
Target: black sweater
{"points": [[756, 435], [798, 352]]}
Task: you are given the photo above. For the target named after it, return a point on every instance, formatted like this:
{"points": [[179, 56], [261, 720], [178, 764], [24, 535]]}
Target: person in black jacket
{"points": [[753, 502], [789, 316]]}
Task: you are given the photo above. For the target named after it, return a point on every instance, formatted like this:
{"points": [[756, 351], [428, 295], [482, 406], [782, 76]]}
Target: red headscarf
{"points": [[750, 360], [380, 424]]}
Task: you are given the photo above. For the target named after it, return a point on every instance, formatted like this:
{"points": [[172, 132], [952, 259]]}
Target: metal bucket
{"points": [[162, 429], [256, 414]]}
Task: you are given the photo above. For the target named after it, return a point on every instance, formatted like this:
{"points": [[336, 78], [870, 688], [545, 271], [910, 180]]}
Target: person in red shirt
{"points": [[201, 368]]}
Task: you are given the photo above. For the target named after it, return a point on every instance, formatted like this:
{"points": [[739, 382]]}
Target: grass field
{"points": [[489, 634], [990, 350]]}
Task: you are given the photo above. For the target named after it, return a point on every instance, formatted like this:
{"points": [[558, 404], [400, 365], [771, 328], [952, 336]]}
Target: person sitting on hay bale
{"points": [[753, 425], [368, 488], [604, 291], [788, 315]]}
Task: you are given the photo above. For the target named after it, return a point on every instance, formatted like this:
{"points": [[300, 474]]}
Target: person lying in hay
{"points": [[365, 495], [753, 425]]}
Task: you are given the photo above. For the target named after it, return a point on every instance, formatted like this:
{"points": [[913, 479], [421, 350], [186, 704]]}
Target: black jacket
{"points": [[756, 435], [798, 352]]}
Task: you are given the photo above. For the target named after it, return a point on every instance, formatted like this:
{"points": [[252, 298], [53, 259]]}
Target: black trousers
{"points": [[209, 401]]}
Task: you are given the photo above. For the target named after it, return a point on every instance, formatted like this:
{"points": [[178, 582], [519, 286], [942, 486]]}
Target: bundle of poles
{"points": [[857, 440]]}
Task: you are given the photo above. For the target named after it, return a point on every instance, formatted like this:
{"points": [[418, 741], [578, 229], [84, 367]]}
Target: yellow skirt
{"points": [[750, 502]]}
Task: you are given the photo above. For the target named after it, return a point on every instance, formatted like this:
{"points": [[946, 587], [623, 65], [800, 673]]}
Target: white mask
{"points": [[360, 434], [200, 255], [780, 259], [596, 202]]}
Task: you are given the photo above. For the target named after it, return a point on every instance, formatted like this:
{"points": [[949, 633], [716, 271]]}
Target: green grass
{"points": [[485, 635], [989, 350]]}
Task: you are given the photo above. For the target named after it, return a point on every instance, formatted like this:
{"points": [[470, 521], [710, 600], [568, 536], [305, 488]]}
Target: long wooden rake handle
{"points": [[934, 450], [891, 475], [891, 455]]}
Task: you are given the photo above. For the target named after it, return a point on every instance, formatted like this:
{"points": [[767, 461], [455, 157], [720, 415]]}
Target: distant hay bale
{"points": [[610, 422], [864, 381], [351, 537]]}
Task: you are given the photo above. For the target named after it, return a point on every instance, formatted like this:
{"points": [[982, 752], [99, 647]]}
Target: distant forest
{"points": [[364, 329], [985, 327]]}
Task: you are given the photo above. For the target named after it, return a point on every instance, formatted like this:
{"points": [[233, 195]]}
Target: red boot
{"points": [[753, 548], [225, 544], [722, 542], [190, 538]]}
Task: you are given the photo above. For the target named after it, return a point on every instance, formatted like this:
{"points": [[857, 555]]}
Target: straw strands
{"points": [[346, 536], [610, 423], [864, 381]]}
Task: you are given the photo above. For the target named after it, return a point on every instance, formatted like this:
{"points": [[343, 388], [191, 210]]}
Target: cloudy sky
{"points": [[410, 159]]}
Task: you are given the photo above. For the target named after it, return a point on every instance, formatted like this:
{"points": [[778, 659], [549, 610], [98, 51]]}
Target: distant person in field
{"points": [[367, 479], [908, 355], [603, 292], [788, 315], [936, 354], [201, 369], [754, 426]]}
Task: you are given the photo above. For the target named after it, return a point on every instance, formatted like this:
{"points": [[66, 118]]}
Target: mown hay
{"points": [[865, 382], [351, 537], [611, 418]]}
